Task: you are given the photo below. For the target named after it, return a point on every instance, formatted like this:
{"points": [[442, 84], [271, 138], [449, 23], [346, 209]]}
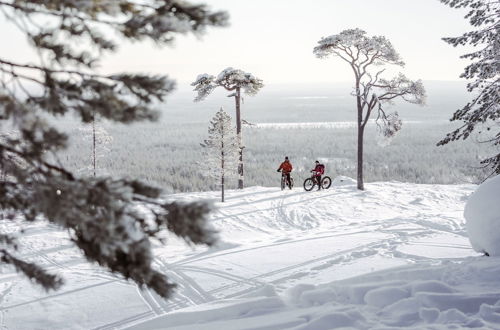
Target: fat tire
{"points": [[326, 182], [309, 184]]}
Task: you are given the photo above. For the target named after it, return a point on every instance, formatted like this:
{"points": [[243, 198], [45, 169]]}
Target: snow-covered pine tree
{"points": [[221, 150], [233, 80], [483, 112], [99, 139], [100, 214], [372, 92]]}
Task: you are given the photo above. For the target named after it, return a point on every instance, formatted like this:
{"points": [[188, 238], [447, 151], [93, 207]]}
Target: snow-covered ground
{"points": [[396, 255]]}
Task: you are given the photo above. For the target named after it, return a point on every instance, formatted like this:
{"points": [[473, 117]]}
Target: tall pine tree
{"points": [[366, 56], [235, 81], [99, 140]]}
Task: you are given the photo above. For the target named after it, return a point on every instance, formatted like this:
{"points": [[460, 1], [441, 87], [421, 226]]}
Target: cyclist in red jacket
{"points": [[318, 171], [286, 167]]}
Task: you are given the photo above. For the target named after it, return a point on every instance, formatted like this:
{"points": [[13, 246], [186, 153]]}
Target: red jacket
{"points": [[286, 166], [319, 169]]}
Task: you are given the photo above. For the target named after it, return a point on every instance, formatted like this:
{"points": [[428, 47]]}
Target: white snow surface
{"points": [[394, 256], [482, 213]]}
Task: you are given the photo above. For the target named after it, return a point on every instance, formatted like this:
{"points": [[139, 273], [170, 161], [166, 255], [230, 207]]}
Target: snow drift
{"points": [[482, 213]]}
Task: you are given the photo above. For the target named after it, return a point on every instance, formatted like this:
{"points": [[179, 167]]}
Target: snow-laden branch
{"points": [[100, 214], [204, 85], [401, 86]]}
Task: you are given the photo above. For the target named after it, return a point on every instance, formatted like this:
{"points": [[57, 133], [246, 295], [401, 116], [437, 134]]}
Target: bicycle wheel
{"points": [[308, 184], [283, 182], [326, 182], [291, 183]]}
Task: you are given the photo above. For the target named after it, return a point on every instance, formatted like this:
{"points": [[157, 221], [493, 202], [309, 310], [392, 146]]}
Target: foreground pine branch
{"points": [[113, 221], [482, 113]]}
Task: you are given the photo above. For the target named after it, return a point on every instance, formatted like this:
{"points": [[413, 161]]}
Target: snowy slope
{"points": [[396, 255]]}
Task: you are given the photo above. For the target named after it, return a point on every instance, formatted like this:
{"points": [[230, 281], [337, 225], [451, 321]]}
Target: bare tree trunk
{"points": [[361, 185], [222, 188], [238, 133], [222, 176], [361, 128], [93, 145]]}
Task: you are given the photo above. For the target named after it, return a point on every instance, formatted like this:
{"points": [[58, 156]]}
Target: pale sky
{"points": [[273, 39]]}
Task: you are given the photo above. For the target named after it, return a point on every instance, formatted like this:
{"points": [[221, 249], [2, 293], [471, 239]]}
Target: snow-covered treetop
{"points": [[354, 46], [220, 123], [230, 79], [221, 130], [372, 90]]}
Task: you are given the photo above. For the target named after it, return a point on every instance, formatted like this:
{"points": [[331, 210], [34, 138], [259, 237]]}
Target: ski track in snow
{"points": [[264, 222]]}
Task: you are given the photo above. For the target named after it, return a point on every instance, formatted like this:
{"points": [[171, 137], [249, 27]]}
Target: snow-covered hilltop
{"points": [[395, 255]]}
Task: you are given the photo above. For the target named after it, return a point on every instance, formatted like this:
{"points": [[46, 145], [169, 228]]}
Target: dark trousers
{"points": [[318, 180], [287, 176]]}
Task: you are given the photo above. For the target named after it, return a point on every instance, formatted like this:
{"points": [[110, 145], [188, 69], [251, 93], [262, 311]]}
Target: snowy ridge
{"points": [[394, 255]]}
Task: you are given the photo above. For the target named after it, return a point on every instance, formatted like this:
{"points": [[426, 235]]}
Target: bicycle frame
{"points": [[313, 177], [284, 180]]}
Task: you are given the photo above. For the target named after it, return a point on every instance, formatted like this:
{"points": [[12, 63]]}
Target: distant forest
{"points": [[168, 153]]}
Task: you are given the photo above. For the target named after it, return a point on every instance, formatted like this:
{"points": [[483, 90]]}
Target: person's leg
{"points": [[289, 180], [318, 178]]}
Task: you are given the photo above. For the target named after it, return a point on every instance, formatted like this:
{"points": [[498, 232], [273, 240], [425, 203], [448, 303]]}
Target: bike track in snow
{"points": [[386, 246], [191, 293]]}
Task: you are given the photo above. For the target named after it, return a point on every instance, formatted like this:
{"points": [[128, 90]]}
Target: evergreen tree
{"points": [[101, 214], [99, 139], [483, 112], [221, 150], [372, 92], [233, 80]]}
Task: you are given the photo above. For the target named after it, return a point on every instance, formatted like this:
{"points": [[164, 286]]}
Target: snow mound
{"points": [[344, 181], [482, 214]]}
